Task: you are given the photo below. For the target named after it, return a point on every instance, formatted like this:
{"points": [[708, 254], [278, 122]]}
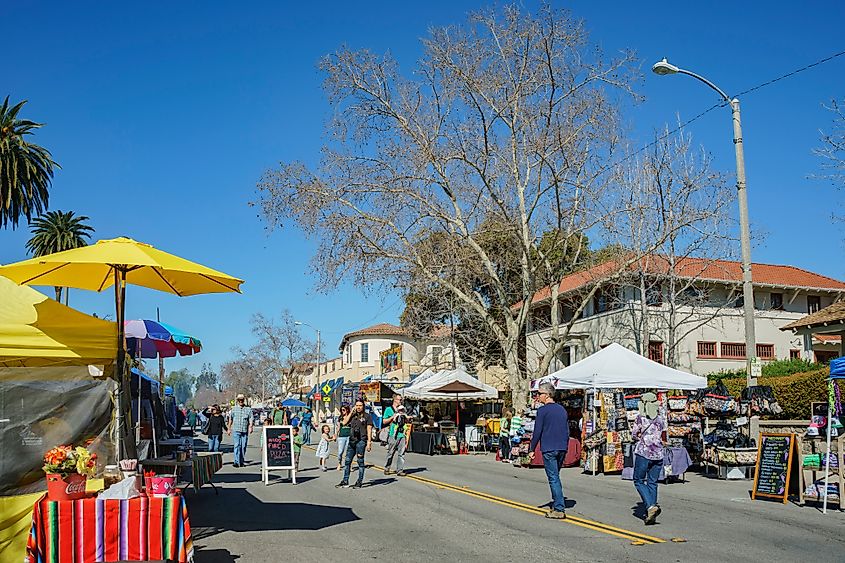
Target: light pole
{"points": [[317, 367], [663, 68]]}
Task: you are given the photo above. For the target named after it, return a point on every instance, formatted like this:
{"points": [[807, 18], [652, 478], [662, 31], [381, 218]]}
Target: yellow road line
{"points": [[574, 520]]}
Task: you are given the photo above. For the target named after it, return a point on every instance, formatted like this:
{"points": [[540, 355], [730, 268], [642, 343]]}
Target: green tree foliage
{"points": [[207, 379], [182, 382], [26, 169], [56, 231]]}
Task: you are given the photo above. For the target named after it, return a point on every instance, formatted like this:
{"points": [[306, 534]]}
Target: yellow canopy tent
{"points": [[38, 331], [41, 339]]}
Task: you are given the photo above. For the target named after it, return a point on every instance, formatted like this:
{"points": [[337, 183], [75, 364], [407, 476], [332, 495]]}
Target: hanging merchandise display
{"points": [[605, 431]]}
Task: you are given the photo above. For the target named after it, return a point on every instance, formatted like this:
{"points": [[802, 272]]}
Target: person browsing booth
{"points": [[551, 431]]}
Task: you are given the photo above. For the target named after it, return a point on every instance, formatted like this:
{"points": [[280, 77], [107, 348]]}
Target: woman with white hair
{"points": [[647, 431]]}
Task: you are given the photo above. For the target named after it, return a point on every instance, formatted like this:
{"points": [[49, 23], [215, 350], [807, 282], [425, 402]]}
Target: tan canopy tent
{"points": [[38, 331]]}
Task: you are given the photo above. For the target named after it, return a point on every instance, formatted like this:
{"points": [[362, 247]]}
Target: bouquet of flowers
{"points": [[67, 460]]}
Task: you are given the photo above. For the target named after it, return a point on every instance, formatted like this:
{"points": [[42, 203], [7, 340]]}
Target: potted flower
{"points": [[68, 470]]}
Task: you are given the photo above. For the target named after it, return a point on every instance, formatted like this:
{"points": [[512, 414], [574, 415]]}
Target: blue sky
{"points": [[163, 117]]}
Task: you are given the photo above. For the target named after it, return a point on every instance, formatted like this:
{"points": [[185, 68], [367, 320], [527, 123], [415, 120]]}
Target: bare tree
{"points": [[681, 209], [832, 151], [502, 135]]}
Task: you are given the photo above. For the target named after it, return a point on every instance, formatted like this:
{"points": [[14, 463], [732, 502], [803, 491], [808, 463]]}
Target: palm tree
{"points": [[56, 231], [26, 170]]}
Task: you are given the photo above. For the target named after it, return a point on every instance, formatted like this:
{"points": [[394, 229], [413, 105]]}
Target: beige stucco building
{"points": [[709, 328]]}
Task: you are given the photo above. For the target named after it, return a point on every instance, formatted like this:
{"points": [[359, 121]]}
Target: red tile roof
{"points": [[381, 329], [832, 314], [704, 270]]}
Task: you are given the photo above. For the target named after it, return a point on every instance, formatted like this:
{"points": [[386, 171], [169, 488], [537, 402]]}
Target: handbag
{"points": [[384, 434], [205, 426]]}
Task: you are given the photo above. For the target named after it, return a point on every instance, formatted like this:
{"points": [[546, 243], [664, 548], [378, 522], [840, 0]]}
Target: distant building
{"points": [[711, 335]]}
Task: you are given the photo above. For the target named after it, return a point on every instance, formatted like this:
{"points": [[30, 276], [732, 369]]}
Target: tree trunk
{"points": [[644, 329]]}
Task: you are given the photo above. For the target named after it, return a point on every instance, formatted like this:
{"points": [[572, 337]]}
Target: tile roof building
{"points": [[710, 336]]}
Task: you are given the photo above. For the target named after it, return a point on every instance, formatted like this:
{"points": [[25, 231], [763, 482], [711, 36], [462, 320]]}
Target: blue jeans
{"points": [[214, 443], [306, 432], [646, 475], [552, 463], [342, 445], [355, 449], [239, 439]]}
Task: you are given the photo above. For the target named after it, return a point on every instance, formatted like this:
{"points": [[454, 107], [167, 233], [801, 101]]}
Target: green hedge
{"points": [[794, 392], [774, 368]]}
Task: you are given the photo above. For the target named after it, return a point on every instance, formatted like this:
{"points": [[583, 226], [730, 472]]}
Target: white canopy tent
{"points": [[617, 367], [424, 389]]}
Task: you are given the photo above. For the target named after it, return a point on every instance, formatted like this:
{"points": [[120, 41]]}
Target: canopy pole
{"points": [[119, 313], [826, 462]]}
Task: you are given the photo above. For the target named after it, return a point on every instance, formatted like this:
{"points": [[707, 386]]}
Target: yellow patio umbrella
{"points": [[114, 263]]}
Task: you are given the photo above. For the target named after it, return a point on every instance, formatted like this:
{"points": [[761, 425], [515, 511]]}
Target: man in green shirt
{"points": [[297, 446], [394, 415]]}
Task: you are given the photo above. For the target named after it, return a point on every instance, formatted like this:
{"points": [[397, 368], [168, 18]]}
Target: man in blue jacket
{"points": [[551, 431]]}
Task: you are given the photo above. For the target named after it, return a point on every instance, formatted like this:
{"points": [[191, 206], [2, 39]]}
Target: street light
{"points": [[300, 323], [663, 68]]}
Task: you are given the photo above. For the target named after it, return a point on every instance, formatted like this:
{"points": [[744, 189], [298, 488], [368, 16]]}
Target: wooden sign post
{"points": [[773, 476], [277, 452]]}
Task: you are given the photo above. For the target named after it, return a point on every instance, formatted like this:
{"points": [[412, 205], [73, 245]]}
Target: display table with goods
{"points": [[202, 466], [92, 530], [728, 448], [125, 516], [429, 443]]}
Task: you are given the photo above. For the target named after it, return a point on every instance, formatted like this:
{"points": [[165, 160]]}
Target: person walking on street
{"points": [[342, 433], [360, 439], [394, 415], [280, 415], [648, 431], [307, 425], [551, 431], [214, 427], [192, 420], [297, 446], [323, 447], [240, 426], [505, 437]]}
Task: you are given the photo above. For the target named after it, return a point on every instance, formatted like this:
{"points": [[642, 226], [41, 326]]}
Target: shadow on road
{"points": [[237, 510], [214, 556]]}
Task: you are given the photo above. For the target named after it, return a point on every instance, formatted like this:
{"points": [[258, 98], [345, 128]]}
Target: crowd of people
{"points": [[351, 429]]}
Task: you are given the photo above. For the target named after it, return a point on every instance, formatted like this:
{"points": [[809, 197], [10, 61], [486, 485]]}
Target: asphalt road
{"points": [[471, 508]]}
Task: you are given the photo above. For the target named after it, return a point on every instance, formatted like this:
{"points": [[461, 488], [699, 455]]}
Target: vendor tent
{"points": [[442, 386], [38, 331], [617, 367]]}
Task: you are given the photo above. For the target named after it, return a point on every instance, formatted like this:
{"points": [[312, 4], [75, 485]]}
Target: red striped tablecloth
{"points": [[91, 530]]}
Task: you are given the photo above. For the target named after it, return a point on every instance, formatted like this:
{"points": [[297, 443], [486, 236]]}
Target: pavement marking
{"points": [[574, 520]]}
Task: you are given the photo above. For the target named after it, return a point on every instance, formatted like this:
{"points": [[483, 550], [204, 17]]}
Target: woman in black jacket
{"points": [[214, 427]]}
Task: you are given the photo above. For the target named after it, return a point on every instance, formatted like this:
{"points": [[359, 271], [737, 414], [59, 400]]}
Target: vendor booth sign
{"points": [[277, 452], [371, 391], [391, 359]]}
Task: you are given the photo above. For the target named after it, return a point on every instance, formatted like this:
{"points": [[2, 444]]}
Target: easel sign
{"points": [[277, 452], [773, 475]]}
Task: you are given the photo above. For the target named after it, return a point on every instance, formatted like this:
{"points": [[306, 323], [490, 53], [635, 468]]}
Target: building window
{"points": [[794, 354], [777, 301], [739, 301], [733, 350], [435, 355], [814, 303], [766, 351], [365, 352], [655, 351], [600, 302], [653, 296], [706, 349], [349, 354]]}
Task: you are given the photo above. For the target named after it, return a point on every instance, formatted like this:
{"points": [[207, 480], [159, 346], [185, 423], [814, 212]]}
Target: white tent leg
{"points": [[826, 463]]}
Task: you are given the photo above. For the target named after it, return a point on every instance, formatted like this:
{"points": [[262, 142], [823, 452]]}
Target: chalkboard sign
{"points": [[772, 477], [277, 450]]}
